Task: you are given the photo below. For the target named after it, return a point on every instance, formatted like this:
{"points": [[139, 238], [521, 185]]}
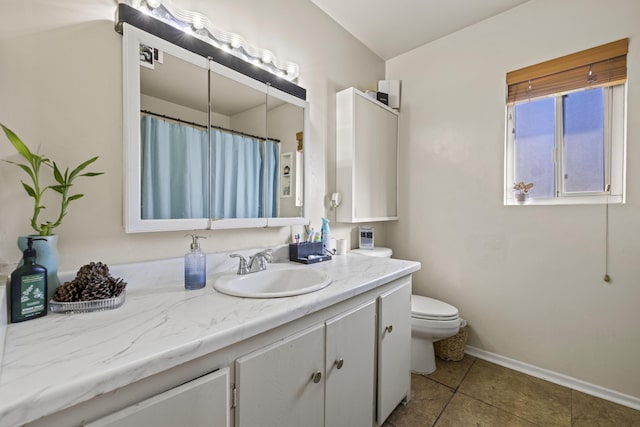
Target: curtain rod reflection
{"points": [[205, 126]]}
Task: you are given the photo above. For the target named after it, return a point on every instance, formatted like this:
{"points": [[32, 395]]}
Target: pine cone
{"points": [[70, 291], [117, 286], [91, 272], [92, 282], [96, 290]]}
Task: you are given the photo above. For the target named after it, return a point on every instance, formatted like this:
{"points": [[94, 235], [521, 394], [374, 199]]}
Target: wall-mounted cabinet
{"points": [[203, 143], [366, 158]]}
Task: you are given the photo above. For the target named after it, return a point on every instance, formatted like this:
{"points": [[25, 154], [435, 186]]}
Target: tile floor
{"points": [[475, 393]]}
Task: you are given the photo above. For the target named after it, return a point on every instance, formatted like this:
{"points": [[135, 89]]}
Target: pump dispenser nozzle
{"points": [[30, 252], [195, 244]]}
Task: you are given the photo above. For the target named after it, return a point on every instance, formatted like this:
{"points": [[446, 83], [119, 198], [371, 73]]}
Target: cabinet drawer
{"points": [[201, 402]]}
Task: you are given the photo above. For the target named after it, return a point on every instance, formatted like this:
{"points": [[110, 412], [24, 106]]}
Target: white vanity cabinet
{"points": [[346, 364], [322, 376], [394, 348], [350, 368], [366, 158], [282, 384], [201, 402]]}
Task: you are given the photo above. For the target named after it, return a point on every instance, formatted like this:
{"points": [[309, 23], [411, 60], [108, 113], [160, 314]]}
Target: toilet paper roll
{"points": [[341, 246]]}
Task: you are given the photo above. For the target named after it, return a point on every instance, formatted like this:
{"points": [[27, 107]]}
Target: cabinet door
{"points": [[375, 160], [201, 402], [283, 384], [394, 348], [366, 158], [350, 342]]}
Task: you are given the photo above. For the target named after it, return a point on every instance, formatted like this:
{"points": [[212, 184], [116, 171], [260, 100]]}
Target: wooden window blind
{"points": [[604, 65]]}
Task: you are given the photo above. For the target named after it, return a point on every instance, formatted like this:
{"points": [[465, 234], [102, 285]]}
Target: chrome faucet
{"points": [[261, 258], [257, 262]]}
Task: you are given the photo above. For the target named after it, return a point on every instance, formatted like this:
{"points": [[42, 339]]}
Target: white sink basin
{"points": [[274, 282]]}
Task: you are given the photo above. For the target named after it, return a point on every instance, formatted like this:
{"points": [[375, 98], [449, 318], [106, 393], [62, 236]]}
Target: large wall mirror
{"points": [[205, 146]]}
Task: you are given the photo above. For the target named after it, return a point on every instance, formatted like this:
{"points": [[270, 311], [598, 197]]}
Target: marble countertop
{"points": [[59, 360]]}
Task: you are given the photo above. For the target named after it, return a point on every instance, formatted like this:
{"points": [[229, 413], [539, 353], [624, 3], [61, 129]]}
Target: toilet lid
{"points": [[378, 251], [432, 309]]}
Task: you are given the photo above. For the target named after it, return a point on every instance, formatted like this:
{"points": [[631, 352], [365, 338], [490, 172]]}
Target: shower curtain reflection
{"points": [[235, 176], [174, 164], [244, 173]]}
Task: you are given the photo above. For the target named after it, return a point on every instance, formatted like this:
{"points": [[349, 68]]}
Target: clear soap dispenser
{"points": [[195, 265]]}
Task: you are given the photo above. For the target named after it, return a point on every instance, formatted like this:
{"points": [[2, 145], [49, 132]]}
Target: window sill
{"points": [[578, 200]]}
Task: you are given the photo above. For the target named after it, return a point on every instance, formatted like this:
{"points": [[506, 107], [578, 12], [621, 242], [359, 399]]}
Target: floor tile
{"points": [[590, 411], [451, 374], [422, 388], [428, 398], [530, 398], [476, 393], [466, 411]]}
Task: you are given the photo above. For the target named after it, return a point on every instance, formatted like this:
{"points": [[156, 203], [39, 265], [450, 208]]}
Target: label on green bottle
{"points": [[32, 296]]}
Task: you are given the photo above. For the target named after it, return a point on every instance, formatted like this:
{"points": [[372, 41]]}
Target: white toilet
{"points": [[431, 320]]}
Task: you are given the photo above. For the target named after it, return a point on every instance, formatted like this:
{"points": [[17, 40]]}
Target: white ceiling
{"points": [[392, 27]]}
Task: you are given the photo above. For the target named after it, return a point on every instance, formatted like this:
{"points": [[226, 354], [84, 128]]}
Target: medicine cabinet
{"points": [[366, 158], [203, 143]]}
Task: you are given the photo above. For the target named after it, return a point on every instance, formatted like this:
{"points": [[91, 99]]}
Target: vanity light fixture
{"points": [[199, 26]]}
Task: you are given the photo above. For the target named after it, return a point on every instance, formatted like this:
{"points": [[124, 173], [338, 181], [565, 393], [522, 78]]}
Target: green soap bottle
{"points": [[27, 297]]}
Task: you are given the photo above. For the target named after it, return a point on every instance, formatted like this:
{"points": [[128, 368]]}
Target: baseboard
{"points": [[556, 378]]}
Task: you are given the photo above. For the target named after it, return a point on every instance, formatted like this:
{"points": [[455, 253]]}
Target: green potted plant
{"points": [[36, 188], [522, 191]]}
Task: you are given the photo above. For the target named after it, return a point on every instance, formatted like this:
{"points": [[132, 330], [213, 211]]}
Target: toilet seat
{"points": [[432, 309]]}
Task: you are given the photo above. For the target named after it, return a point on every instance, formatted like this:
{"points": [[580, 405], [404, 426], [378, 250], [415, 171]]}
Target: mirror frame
{"points": [[132, 181]]}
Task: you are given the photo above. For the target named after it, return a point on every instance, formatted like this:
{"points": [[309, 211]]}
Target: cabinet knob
{"points": [[316, 377], [388, 328], [339, 363]]}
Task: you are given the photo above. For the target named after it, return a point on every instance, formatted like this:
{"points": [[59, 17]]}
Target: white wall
{"points": [[61, 86], [160, 106], [251, 121], [529, 279]]}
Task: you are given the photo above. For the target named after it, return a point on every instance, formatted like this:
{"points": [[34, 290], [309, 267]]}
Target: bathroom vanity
{"points": [[337, 356]]}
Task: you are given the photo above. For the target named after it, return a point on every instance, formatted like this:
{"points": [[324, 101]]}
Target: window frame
{"points": [[615, 120]]}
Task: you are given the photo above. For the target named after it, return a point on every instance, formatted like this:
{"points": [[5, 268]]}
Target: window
{"points": [[566, 129]]}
